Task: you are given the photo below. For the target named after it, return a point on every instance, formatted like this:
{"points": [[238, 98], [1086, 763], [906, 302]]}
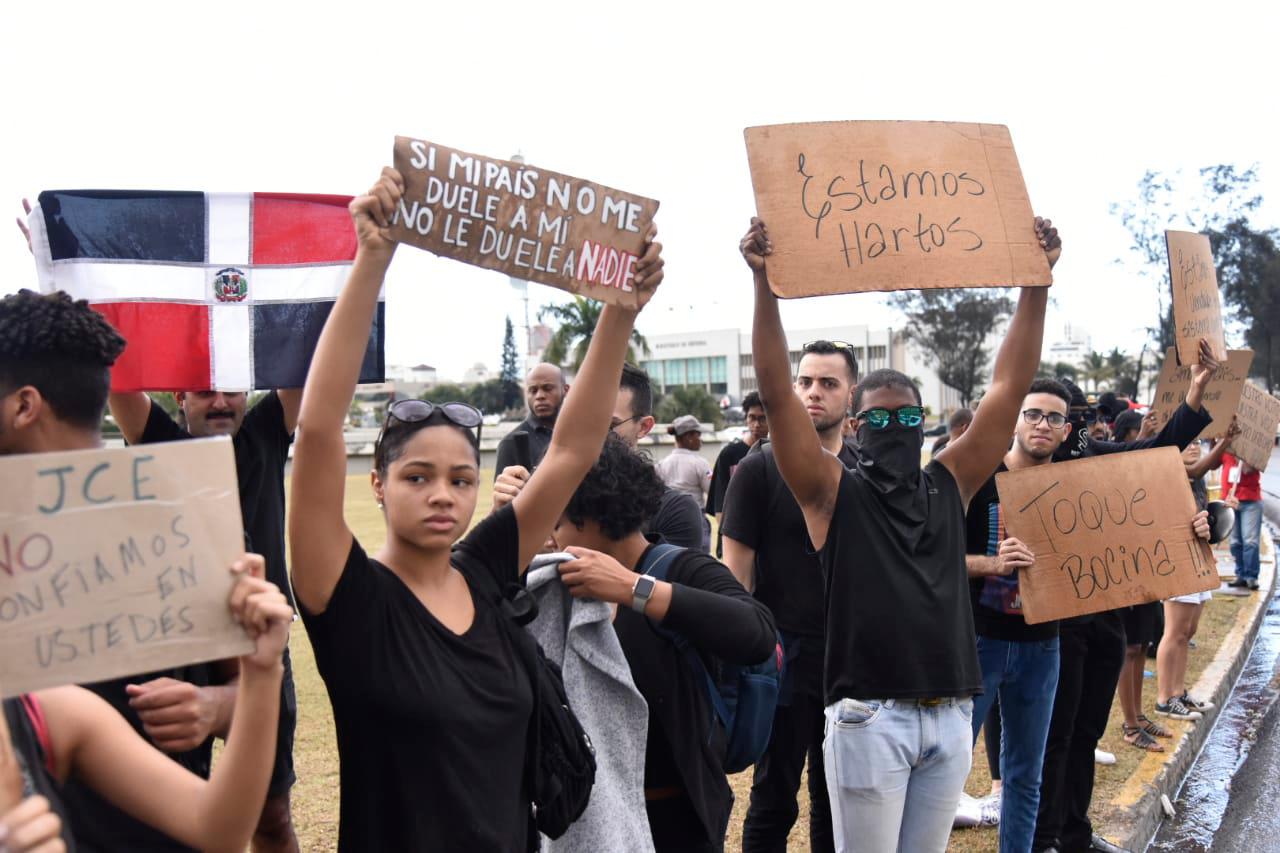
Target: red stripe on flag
{"points": [[168, 346], [301, 229]]}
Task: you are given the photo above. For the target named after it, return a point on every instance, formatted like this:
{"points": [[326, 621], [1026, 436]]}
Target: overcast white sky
{"points": [[650, 97]]}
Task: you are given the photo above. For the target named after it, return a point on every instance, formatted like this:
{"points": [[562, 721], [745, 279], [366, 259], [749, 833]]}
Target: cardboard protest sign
{"points": [[1258, 416], [115, 562], [1221, 397], [893, 205], [1107, 531], [529, 223], [1197, 303]]}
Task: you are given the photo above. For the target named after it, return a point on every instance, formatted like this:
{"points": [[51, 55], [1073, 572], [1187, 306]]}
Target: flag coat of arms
{"points": [[225, 291]]}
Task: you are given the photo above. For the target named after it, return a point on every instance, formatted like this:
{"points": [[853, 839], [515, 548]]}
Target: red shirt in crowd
{"points": [[1250, 486]]}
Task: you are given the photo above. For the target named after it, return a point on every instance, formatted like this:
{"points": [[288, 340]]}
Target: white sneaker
{"points": [[1103, 757], [968, 812], [990, 810]]}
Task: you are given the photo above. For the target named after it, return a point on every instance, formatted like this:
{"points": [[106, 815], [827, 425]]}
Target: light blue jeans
{"points": [[895, 772], [1244, 540]]}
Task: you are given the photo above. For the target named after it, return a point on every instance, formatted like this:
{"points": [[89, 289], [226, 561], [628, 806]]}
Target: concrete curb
{"points": [[1142, 818]]}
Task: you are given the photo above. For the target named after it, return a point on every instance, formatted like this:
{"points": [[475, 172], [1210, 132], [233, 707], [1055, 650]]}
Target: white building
{"points": [[1071, 348], [476, 374], [720, 360], [421, 374]]}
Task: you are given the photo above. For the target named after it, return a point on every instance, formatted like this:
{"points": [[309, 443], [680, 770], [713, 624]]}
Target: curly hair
{"points": [[62, 348], [620, 493]]}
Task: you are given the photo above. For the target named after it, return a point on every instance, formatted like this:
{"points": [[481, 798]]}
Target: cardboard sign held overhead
{"points": [[1197, 303], [893, 205], [1107, 532], [115, 562], [529, 223], [1258, 416], [1221, 398]]}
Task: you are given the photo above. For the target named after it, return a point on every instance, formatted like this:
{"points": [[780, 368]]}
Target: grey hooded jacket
{"points": [[578, 635]]}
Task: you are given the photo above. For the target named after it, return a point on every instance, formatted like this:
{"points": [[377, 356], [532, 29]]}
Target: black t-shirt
{"points": [[712, 612], [761, 513], [726, 463], [997, 604], [678, 520], [898, 618], [96, 823], [262, 448], [509, 453], [431, 725]]}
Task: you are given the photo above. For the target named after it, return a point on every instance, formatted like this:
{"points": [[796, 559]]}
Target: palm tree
{"points": [[1122, 369], [576, 324], [1094, 369]]}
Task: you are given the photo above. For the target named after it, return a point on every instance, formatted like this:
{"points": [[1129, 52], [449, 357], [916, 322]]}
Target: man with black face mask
{"points": [[901, 662], [1091, 648]]}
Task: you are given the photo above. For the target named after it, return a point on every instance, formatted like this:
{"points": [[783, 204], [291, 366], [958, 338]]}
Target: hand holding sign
{"points": [[258, 606], [1197, 303], [372, 213]]}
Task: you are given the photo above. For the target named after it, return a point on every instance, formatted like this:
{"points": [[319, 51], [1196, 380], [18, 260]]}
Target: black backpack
{"points": [[560, 760]]}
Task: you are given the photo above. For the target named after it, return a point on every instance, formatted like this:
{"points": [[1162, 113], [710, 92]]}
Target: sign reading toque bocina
{"points": [[529, 223], [1107, 532], [893, 205], [117, 562]]}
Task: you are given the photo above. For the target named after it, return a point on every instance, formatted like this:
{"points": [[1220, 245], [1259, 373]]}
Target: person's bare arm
{"points": [[972, 457], [1201, 374], [1010, 556], [583, 422], [291, 402], [1213, 459], [97, 746], [131, 409], [319, 538], [741, 560], [811, 473]]}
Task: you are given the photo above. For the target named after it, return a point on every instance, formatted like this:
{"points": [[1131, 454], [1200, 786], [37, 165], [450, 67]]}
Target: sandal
{"points": [[1135, 736], [1152, 728]]}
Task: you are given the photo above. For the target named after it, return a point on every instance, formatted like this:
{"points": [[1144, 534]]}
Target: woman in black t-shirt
{"points": [[686, 793], [68, 733], [430, 703]]}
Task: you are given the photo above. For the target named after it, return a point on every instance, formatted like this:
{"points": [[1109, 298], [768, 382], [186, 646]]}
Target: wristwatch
{"points": [[642, 592]]}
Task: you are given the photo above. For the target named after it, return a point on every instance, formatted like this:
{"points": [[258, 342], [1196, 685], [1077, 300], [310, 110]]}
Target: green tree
{"points": [[1248, 265], [951, 328], [576, 324], [689, 400], [448, 392], [489, 397], [1122, 372], [510, 373], [1094, 369]]}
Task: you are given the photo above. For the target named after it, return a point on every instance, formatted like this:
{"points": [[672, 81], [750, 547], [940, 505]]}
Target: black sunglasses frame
{"points": [[416, 411]]}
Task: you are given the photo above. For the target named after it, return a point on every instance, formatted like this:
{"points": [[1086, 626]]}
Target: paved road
{"points": [[1229, 799]]}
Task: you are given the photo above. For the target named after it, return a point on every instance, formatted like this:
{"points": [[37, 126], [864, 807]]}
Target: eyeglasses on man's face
{"points": [[1035, 416]]}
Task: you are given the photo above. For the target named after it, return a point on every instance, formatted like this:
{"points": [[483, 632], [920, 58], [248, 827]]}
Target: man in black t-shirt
{"points": [[544, 390], [261, 436], [765, 548], [730, 455], [1092, 647], [901, 664], [679, 518]]}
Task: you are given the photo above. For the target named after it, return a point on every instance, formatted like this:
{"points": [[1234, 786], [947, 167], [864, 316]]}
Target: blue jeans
{"points": [[895, 771], [1244, 539], [1025, 676]]}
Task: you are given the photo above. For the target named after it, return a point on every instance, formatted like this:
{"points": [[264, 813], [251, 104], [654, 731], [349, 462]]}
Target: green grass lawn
{"points": [[315, 798]]}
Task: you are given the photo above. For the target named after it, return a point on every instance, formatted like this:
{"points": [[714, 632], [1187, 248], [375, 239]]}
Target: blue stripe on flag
{"points": [[285, 336], [124, 225]]}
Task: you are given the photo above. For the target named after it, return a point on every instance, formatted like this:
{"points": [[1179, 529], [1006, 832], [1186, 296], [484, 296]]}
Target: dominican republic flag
{"points": [[225, 291]]}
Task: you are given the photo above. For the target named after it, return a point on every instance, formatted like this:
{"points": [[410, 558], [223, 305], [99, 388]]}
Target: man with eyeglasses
{"points": [[766, 549], [901, 660], [178, 711], [1092, 647]]}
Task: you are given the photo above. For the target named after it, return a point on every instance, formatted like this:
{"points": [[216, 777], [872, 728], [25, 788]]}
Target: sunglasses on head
{"points": [[879, 417], [837, 344], [417, 411]]}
